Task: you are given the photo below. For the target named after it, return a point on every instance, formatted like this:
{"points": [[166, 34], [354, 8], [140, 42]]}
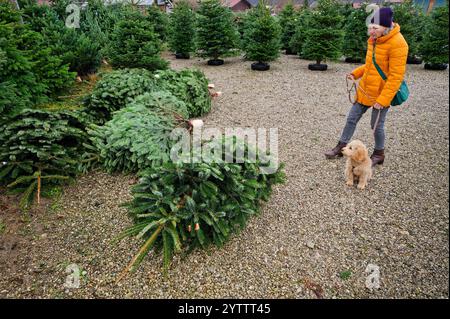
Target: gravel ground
{"points": [[313, 239]]}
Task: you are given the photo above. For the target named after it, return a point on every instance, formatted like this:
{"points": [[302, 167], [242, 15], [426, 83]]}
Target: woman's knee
{"points": [[353, 118]]}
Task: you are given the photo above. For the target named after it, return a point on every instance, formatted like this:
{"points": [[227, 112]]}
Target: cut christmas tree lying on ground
{"points": [[185, 204]]}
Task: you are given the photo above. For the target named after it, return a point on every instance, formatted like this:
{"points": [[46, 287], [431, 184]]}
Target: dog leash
{"points": [[350, 89], [355, 87], [376, 122]]}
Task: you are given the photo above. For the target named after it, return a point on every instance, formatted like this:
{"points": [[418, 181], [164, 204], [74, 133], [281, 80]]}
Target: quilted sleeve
{"points": [[359, 71]]}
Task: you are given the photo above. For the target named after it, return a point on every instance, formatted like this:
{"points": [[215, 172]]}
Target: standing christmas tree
{"points": [[262, 38], [288, 19], [134, 44], [355, 38], [182, 30], [216, 33], [434, 47], [324, 35]]}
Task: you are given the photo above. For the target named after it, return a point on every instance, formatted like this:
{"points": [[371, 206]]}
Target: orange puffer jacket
{"points": [[391, 52]]}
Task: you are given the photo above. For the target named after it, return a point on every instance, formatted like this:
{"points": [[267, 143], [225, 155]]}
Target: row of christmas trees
{"points": [[427, 36], [327, 32], [214, 32]]}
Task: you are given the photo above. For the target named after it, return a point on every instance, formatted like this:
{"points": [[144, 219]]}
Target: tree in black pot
{"points": [[182, 30], [434, 47], [216, 34], [263, 38], [355, 38], [324, 35]]}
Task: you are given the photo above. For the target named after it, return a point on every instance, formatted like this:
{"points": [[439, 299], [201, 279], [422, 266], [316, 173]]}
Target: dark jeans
{"points": [[355, 114]]}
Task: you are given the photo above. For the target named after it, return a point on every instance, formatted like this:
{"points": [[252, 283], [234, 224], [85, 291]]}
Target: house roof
{"points": [[235, 2]]}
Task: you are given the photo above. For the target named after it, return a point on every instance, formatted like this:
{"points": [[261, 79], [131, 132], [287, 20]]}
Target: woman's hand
{"points": [[378, 106], [350, 77]]}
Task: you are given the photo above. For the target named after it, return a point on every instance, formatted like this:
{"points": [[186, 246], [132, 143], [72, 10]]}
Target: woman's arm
{"points": [[358, 72]]}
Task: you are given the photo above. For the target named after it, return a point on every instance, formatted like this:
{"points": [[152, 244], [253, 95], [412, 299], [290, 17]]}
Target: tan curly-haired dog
{"points": [[358, 164]]}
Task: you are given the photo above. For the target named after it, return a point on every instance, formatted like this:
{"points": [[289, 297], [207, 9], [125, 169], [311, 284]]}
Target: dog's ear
{"points": [[360, 154]]}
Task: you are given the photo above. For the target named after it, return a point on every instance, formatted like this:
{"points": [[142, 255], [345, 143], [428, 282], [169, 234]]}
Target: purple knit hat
{"points": [[383, 16]]}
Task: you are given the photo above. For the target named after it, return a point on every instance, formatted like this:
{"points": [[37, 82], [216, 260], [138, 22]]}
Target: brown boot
{"points": [[336, 151], [377, 157]]}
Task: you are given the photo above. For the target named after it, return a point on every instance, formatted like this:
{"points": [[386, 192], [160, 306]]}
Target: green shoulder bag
{"points": [[402, 94]]}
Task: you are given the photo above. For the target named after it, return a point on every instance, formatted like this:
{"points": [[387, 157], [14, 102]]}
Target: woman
{"points": [[391, 52]]}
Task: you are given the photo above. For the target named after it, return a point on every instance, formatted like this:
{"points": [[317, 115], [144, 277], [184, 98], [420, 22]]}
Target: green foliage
{"points": [[410, 18], [116, 89], [288, 22], [301, 26], [434, 47], [8, 12], [7, 99], [345, 274], [39, 17], [190, 86], [162, 102], [160, 21], [85, 58], [324, 35], [186, 204], [182, 28], [80, 49], [40, 146], [247, 21], [134, 44], [30, 73], [59, 6], [262, 36], [216, 34], [239, 18], [50, 70], [95, 24], [355, 38], [16, 75], [137, 137], [75, 48], [345, 9], [99, 20]]}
